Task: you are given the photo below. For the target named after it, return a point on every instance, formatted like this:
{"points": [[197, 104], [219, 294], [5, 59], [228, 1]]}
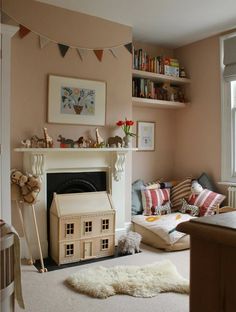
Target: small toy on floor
{"points": [[129, 243]]}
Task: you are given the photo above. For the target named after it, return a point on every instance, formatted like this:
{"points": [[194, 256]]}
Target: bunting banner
{"points": [[82, 51], [43, 41], [63, 49], [23, 31], [113, 52], [99, 54], [129, 47]]}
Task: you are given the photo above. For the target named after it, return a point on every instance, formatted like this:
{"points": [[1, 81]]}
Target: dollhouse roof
{"points": [[80, 203]]}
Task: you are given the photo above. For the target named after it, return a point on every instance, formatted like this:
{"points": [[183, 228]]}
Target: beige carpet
{"points": [[48, 292]]}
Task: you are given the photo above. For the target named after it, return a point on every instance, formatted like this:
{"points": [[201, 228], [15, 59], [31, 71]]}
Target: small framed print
{"points": [[76, 101], [146, 136]]}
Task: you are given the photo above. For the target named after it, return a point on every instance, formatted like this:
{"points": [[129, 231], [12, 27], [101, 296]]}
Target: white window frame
{"points": [[228, 148]]}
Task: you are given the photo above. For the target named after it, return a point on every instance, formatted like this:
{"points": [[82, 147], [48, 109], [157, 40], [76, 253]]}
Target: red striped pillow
{"points": [[153, 198], [206, 201]]}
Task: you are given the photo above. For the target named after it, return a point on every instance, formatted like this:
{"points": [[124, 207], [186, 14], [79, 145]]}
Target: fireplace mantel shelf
{"points": [[38, 155], [73, 150]]}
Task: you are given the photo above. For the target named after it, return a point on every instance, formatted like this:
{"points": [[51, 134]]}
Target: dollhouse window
{"points": [[69, 250], [88, 226], [105, 224], [104, 244], [69, 228]]}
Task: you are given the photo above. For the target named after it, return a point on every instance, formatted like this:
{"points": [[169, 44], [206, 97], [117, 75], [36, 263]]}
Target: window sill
{"points": [[227, 183]]}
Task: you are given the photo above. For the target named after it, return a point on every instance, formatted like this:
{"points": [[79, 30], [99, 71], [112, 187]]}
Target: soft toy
{"points": [[196, 188], [29, 185], [31, 189], [17, 177]]}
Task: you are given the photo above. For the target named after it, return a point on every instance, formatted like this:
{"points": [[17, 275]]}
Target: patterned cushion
{"points": [[190, 209], [178, 192], [154, 198], [207, 201]]}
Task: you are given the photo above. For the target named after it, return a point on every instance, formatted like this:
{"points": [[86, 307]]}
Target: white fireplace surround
{"points": [[40, 161]]}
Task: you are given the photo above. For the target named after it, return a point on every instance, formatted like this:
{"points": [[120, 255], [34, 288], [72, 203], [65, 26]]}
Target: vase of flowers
{"points": [[126, 127]]}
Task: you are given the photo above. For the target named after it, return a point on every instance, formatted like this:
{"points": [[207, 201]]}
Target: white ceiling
{"points": [[170, 23]]}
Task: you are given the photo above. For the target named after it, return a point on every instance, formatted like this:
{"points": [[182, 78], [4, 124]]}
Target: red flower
{"points": [[120, 123], [129, 123], [125, 125]]}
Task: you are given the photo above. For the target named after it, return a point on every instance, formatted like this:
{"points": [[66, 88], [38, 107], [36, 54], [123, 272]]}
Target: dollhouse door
{"points": [[87, 249]]}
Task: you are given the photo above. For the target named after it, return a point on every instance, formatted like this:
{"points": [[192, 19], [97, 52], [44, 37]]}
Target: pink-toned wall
{"points": [[157, 164], [32, 65], [198, 127]]}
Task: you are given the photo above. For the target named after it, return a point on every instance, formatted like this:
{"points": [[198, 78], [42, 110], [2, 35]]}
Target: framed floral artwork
{"points": [[76, 101], [146, 136]]}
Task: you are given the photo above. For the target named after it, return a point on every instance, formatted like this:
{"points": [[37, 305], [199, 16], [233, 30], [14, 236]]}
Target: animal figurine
{"points": [[129, 243], [36, 141], [18, 178], [48, 141], [99, 139], [65, 142], [26, 143], [117, 141]]}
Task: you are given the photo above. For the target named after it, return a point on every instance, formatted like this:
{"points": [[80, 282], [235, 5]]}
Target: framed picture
{"points": [[146, 135], [76, 101]]}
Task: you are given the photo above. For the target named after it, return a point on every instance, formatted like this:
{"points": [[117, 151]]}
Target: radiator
{"points": [[232, 196]]}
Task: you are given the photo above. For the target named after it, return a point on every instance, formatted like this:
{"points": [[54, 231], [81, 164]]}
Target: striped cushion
{"points": [[178, 192], [153, 198], [207, 201]]}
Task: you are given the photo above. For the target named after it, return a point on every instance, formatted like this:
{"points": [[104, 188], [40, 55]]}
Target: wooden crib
{"points": [[7, 273]]}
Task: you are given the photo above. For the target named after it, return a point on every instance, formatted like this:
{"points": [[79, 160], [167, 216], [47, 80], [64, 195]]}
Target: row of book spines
{"points": [[143, 88], [156, 64]]}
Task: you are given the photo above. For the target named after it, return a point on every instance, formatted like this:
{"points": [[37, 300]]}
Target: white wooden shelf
{"points": [[160, 77], [151, 103], [73, 150]]}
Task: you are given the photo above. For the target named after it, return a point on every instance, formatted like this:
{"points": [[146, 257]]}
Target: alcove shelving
{"points": [[154, 103]]}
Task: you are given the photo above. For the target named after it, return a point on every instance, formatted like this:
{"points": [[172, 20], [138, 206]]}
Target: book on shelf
{"points": [[156, 64]]}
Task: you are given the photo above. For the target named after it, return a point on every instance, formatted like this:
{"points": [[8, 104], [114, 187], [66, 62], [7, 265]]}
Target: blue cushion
{"points": [[137, 207]]}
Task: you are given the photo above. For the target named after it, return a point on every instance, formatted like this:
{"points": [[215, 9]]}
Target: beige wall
{"points": [[32, 65], [198, 128]]}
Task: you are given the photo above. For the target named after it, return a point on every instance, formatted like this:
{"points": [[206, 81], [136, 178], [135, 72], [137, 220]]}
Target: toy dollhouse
{"points": [[82, 226]]}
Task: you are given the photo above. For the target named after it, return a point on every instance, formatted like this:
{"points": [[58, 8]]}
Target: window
{"points": [[104, 244], [105, 224], [228, 108], [69, 228], [88, 226], [69, 250]]}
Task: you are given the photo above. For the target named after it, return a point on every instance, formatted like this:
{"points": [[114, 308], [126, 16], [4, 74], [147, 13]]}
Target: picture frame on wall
{"points": [[76, 101], [146, 136]]}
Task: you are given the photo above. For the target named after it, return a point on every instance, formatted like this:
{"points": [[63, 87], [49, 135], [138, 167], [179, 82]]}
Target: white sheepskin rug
{"points": [[137, 281]]}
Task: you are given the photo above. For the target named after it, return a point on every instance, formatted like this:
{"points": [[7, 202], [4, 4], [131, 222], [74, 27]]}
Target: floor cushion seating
{"points": [[159, 231]]}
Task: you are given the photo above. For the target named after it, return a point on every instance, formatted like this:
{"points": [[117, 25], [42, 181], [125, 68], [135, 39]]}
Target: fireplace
{"points": [[72, 182], [112, 163]]}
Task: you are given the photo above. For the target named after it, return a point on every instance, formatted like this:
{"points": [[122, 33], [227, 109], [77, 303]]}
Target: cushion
{"points": [[206, 182], [154, 198], [191, 209], [137, 207], [178, 192], [152, 185], [207, 202]]}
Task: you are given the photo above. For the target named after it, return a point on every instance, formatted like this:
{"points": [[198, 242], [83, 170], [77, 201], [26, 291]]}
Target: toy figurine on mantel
{"points": [[36, 142]]}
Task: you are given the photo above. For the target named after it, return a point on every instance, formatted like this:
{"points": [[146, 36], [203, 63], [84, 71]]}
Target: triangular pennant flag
{"points": [[63, 49], [98, 54], [129, 47], [43, 41], [113, 52], [23, 31], [82, 53]]}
